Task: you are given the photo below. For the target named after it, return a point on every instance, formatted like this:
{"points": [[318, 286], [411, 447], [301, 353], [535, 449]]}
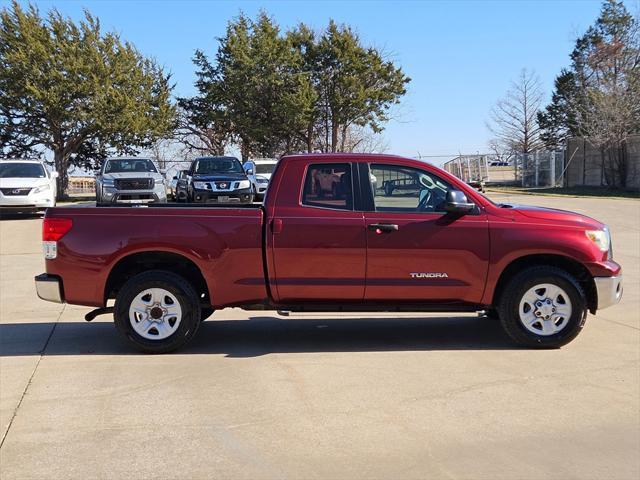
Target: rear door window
{"points": [[329, 185]]}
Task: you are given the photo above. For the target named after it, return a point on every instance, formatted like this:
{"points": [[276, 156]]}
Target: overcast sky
{"points": [[460, 55]]}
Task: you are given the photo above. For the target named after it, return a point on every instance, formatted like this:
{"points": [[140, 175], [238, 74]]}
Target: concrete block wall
{"points": [[587, 164]]}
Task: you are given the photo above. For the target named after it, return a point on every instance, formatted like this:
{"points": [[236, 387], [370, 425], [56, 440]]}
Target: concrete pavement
{"points": [[263, 396]]}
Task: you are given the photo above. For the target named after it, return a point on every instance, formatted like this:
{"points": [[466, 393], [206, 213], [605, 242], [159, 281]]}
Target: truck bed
{"points": [[225, 243]]}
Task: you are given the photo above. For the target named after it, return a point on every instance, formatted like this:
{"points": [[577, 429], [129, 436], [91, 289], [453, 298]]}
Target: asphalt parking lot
{"points": [[257, 395]]}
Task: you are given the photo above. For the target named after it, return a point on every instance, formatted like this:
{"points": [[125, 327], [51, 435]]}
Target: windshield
{"points": [[265, 167], [21, 170], [130, 165], [218, 165]]}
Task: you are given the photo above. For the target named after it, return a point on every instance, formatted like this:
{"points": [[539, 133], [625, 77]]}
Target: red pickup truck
{"points": [[436, 245]]}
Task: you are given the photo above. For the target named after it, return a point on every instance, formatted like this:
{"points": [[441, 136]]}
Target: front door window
{"points": [[407, 190]]}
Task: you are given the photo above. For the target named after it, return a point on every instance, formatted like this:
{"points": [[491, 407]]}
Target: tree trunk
{"points": [[623, 166], [334, 136], [326, 131], [609, 181], [244, 150], [61, 163], [310, 138]]}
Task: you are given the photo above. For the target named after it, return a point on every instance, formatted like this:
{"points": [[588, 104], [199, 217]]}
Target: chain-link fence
{"points": [[473, 169], [540, 169]]}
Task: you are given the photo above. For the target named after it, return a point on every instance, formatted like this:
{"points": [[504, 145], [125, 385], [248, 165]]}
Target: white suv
{"points": [[26, 185], [259, 171]]}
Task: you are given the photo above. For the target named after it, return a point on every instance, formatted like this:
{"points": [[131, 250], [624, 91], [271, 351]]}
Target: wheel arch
{"points": [[570, 265], [135, 263]]}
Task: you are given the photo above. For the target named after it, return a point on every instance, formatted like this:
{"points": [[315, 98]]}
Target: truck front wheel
{"points": [[543, 307], [157, 311]]}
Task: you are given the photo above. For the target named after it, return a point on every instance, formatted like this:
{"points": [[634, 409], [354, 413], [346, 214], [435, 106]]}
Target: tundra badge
{"points": [[428, 275]]}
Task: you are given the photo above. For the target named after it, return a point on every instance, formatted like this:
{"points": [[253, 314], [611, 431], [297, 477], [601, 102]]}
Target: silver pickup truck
{"points": [[130, 180]]}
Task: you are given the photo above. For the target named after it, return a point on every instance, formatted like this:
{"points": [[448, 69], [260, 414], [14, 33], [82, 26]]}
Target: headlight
{"points": [[108, 182], [159, 181], [243, 184], [262, 180], [42, 188], [601, 238], [201, 185]]}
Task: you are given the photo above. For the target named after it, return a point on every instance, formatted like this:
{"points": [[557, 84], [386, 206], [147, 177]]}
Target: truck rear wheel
{"points": [[543, 307], [157, 311]]}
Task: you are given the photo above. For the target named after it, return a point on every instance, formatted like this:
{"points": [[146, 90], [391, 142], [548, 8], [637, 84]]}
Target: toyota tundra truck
{"points": [[435, 246]]}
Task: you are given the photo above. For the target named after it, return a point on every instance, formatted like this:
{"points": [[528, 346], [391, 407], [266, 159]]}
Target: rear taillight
{"points": [[53, 229]]}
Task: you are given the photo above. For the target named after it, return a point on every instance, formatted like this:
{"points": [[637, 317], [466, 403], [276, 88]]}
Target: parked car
{"points": [[26, 186], [445, 248], [130, 180], [259, 172], [182, 186], [497, 163], [172, 185], [218, 180]]}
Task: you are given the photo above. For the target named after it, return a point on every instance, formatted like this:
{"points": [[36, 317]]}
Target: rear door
{"points": [[317, 238], [416, 252]]}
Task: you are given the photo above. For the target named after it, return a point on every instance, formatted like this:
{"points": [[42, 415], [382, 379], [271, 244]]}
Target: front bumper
{"points": [[32, 201], [111, 195], [233, 196], [609, 290], [49, 288]]}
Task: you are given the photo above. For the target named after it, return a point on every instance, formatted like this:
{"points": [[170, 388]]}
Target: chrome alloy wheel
{"points": [[545, 309], [155, 314]]}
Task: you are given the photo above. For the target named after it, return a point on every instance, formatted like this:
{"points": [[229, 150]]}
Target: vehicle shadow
{"points": [[264, 335]]}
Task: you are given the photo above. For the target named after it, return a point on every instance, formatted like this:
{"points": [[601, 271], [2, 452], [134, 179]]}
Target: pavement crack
{"points": [[619, 323], [33, 373]]}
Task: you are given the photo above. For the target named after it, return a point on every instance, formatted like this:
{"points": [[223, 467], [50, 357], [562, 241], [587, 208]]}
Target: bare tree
{"points": [[608, 70], [198, 137], [500, 152], [166, 154], [361, 140], [513, 120]]}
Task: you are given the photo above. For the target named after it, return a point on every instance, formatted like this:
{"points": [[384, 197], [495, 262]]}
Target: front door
{"points": [[416, 252], [318, 241]]}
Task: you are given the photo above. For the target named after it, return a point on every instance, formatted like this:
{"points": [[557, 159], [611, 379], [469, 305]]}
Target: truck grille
{"points": [[223, 185], [134, 184], [15, 192]]}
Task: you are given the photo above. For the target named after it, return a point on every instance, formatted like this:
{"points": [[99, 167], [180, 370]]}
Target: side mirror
{"points": [[175, 178], [249, 168], [457, 202], [163, 171]]}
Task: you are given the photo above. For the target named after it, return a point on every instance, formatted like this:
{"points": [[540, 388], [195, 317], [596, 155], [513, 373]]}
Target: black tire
{"points": [[184, 293], [508, 308], [205, 312]]}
